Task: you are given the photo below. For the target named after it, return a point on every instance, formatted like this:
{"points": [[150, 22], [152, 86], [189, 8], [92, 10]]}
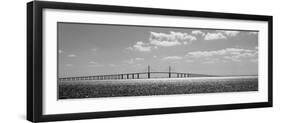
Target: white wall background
{"points": [[13, 61]]}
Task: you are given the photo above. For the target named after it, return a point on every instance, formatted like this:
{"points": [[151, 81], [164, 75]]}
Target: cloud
{"points": [[210, 60], [164, 43], [60, 51], [214, 36], [170, 39], [198, 32], [94, 49], [227, 51], [140, 46], [94, 64], [232, 58], [133, 60], [220, 34], [71, 55], [207, 53], [185, 42], [229, 33], [172, 58], [239, 55], [130, 61], [227, 54], [162, 40], [139, 59]]}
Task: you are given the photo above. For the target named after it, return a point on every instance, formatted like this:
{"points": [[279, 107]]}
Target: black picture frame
{"points": [[35, 60]]}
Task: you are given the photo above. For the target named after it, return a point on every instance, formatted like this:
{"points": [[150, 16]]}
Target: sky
{"points": [[94, 49]]}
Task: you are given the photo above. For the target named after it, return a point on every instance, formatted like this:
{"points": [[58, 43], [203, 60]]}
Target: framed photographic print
{"points": [[90, 61]]}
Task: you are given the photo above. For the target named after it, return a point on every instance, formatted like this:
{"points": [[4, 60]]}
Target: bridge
{"points": [[140, 75]]}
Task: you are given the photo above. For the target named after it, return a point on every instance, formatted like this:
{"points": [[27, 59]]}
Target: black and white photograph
{"points": [[98, 60], [87, 60]]}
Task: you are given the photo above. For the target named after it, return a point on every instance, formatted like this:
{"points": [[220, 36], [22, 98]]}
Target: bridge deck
{"points": [[142, 75]]}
